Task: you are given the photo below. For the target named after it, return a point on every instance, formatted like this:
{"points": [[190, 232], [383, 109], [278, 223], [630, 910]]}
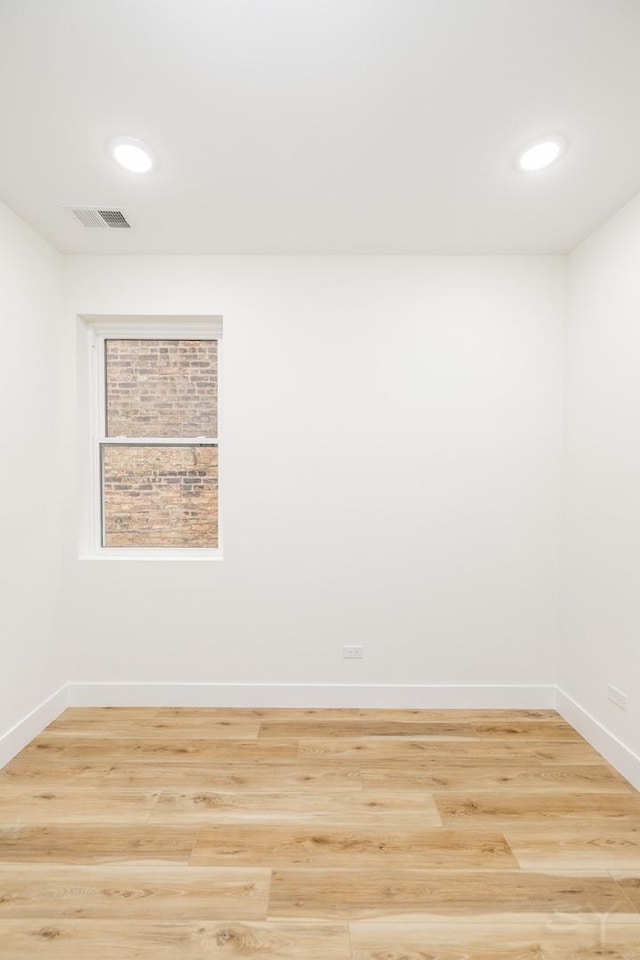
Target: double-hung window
{"points": [[155, 436]]}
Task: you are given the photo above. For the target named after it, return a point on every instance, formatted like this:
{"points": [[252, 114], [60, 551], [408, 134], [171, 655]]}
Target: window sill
{"points": [[145, 554]]}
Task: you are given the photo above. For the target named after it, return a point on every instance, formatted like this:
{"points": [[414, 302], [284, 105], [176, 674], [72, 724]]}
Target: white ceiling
{"points": [[320, 126]]}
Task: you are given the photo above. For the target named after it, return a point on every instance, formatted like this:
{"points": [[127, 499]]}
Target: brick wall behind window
{"points": [[160, 496], [162, 388]]}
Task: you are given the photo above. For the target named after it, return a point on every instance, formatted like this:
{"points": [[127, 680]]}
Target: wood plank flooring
{"points": [[184, 834]]}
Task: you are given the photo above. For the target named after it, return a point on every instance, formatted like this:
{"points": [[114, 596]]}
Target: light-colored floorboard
{"points": [[411, 752], [396, 894], [153, 724], [228, 777], [560, 938], [132, 892], [187, 834], [371, 808], [59, 748], [520, 806], [148, 940], [596, 844], [96, 843], [55, 804], [474, 776], [351, 847], [542, 731]]}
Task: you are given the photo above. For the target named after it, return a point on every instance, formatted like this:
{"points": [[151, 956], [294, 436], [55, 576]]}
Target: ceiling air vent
{"points": [[101, 218]]}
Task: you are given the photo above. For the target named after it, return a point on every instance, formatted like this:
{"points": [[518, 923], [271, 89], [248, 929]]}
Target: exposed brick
{"points": [[162, 388], [160, 496], [157, 496]]}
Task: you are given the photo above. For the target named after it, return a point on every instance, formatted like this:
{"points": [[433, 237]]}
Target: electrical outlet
{"points": [[618, 697], [350, 652]]}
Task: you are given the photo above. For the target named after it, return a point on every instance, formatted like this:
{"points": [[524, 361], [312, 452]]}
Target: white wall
{"points": [[601, 635], [392, 466], [30, 478], [391, 471]]}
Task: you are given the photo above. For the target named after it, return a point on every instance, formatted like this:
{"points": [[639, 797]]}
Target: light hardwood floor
{"points": [[180, 834]]}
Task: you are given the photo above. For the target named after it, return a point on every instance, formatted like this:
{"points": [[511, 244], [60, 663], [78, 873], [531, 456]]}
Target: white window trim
{"points": [[95, 329]]}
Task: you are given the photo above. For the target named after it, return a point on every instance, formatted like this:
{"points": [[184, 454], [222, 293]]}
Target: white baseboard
{"points": [[606, 743], [311, 695], [15, 739]]}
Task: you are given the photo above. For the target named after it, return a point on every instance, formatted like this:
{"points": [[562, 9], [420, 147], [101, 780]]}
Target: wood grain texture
{"points": [[591, 845], [53, 748], [423, 729], [148, 940], [55, 804], [351, 847], [410, 751], [135, 833], [156, 726], [423, 895], [580, 938], [629, 880], [133, 892], [375, 809], [288, 779], [471, 776], [182, 716], [96, 843], [222, 776], [509, 806]]}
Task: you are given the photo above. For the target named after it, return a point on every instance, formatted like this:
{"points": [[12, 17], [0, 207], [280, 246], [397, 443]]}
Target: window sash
{"points": [[100, 329], [132, 478], [161, 441]]}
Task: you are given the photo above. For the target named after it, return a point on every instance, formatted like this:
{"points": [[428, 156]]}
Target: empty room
{"points": [[320, 495]]}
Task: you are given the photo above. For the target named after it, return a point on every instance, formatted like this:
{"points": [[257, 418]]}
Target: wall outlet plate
{"points": [[352, 652], [617, 696]]}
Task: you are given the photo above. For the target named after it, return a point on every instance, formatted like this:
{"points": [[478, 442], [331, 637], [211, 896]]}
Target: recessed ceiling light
{"points": [[538, 155], [132, 154]]}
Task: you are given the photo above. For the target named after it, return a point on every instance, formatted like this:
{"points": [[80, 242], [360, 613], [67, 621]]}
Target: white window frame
{"points": [[95, 331]]}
